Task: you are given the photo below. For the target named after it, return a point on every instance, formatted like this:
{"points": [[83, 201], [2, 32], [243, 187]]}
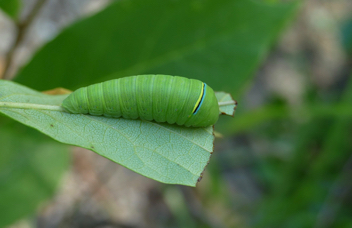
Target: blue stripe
{"points": [[201, 101]]}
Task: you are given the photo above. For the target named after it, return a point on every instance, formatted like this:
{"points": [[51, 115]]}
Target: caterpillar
{"points": [[160, 98]]}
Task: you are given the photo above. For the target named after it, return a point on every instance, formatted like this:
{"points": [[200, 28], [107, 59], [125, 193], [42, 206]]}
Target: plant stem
{"points": [[224, 103], [22, 28], [31, 106]]}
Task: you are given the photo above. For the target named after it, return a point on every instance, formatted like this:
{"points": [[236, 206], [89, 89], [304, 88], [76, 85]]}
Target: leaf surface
{"points": [[226, 109], [167, 153]]}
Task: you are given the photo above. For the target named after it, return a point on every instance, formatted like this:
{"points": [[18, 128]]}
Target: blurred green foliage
{"points": [[219, 42], [31, 166], [308, 187], [11, 7]]}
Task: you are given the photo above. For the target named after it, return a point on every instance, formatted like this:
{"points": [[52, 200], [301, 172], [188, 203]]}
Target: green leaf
{"points": [[167, 153], [219, 42], [227, 105], [31, 167], [11, 7]]}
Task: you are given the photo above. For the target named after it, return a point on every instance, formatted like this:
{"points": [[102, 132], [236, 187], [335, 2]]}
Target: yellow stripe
{"points": [[199, 99]]}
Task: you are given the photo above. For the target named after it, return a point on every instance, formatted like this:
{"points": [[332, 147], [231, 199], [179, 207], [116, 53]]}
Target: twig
{"points": [[22, 28]]}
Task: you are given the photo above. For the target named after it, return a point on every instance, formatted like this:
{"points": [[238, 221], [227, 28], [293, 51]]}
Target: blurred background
{"points": [[285, 159]]}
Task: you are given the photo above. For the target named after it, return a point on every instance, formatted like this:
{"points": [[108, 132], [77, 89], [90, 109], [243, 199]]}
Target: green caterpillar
{"points": [[161, 98]]}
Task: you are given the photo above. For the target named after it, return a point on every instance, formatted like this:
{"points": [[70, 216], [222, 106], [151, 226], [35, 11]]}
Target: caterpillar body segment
{"points": [[159, 98]]}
